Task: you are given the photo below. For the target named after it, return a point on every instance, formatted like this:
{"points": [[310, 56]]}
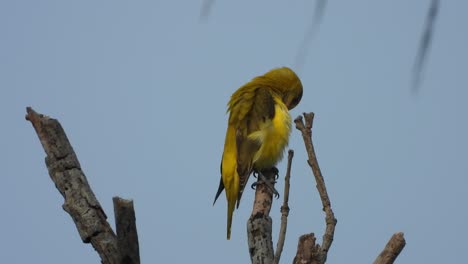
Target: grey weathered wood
{"points": [[127, 235], [391, 251], [259, 225], [79, 200], [308, 252], [330, 220]]}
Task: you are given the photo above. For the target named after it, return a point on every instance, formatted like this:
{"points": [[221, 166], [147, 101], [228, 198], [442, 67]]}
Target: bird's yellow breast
{"points": [[273, 137]]}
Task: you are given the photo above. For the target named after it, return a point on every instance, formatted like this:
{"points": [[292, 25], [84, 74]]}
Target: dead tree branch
{"points": [[259, 225], [80, 201], [330, 220], [391, 251], [307, 251], [127, 236], [284, 210]]}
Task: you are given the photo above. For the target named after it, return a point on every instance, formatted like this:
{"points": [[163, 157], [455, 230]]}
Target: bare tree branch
{"points": [[284, 210], [80, 202], [307, 251], [127, 236], [330, 220], [391, 251], [425, 43], [259, 225]]}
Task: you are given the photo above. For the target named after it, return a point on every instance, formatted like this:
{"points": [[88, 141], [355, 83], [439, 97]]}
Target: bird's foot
{"points": [[268, 182], [276, 171]]}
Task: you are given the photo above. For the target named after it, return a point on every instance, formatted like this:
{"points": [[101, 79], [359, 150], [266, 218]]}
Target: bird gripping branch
{"points": [[258, 131]]}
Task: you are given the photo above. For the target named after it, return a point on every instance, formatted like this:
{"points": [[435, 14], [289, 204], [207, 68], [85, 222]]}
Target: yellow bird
{"points": [[258, 130]]}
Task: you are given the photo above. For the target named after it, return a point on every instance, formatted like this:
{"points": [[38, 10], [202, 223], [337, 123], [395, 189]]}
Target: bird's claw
{"points": [[268, 183], [276, 173], [254, 185]]}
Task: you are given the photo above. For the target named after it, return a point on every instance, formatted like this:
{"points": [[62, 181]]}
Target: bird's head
{"points": [[285, 82]]}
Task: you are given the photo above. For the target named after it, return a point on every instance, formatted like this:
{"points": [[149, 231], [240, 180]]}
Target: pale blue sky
{"points": [[141, 89]]}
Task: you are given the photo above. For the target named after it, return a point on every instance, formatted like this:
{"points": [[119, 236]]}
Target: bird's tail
{"points": [[230, 178], [230, 208]]}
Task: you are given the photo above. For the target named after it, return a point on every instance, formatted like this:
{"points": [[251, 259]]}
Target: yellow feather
{"points": [[229, 174], [273, 137]]}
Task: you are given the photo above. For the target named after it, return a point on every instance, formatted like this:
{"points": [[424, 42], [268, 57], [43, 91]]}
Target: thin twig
{"points": [[391, 251], [330, 220], [284, 210]]}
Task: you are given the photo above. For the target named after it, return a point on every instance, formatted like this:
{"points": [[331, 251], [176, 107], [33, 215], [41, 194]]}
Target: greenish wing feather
{"points": [[261, 110], [246, 150]]}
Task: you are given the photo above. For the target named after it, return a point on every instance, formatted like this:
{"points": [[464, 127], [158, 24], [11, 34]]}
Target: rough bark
{"points": [[259, 225], [90, 220], [127, 236], [307, 250], [79, 200], [391, 251]]}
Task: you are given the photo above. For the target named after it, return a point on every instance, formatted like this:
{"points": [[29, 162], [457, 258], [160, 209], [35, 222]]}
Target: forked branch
{"points": [[308, 251], [319, 253], [80, 202]]}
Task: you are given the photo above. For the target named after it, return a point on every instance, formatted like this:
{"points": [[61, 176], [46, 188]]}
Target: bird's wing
{"points": [[221, 184], [255, 112]]}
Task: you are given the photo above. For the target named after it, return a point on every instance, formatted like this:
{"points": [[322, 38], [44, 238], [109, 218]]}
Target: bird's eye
{"points": [[296, 100]]}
